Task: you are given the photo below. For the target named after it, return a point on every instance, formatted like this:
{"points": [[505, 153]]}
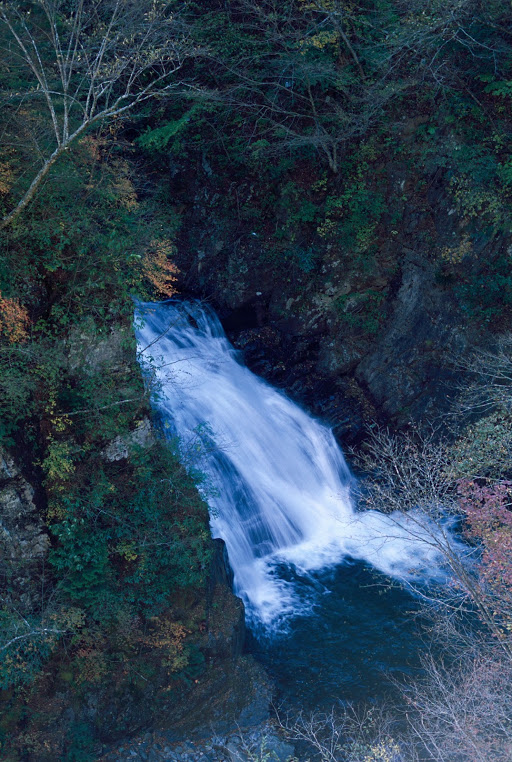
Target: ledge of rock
{"points": [[24, 542]]}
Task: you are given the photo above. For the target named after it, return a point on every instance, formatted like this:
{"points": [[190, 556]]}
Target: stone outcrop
{"points": [[226, 613], [141, 436], [24, 541], [410, 371], [264, 742], [88, 354]]}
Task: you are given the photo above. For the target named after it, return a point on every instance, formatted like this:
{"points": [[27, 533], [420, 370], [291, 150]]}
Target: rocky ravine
{"points": [[362, 336]]}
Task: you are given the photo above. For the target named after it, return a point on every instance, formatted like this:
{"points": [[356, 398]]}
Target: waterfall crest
{"points": [[275, 479]]}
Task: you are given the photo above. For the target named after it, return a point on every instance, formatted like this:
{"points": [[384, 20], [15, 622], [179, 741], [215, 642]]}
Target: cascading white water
{"points": [[277, 484]]}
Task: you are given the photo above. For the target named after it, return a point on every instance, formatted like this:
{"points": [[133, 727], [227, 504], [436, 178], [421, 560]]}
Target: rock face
{"points": [[235, 691], [87, 354], [223, 700], [404, 373], [141, 436], [24, 542], [409, 372], [226, 614], [359, 335], [264, 742], [401, 370]]}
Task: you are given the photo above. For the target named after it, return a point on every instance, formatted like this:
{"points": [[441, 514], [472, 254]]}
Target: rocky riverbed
{"points": [[261, 743]]}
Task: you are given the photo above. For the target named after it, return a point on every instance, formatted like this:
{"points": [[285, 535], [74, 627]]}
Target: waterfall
{"points": [[277, 484]]}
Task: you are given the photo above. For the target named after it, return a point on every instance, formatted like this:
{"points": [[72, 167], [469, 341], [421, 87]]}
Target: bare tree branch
{"points": [[102, 62]]}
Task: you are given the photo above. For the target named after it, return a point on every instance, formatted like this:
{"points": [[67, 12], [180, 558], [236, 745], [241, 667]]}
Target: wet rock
{"points": [[236, 753], [8, 468], [258, 744], [280, 750], [233, 695], [292, 363], [221, 571], [341, 355]]}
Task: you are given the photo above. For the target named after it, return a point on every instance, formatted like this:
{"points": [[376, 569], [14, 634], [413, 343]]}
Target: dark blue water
{"points": [[363, 632]]}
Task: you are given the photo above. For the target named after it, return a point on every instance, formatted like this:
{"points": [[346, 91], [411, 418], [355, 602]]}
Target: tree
{"points": [[85, 62], [312, 76], [415, 473], [13, 320], [488, 379], [461, 712], [348, 733], [295, 73]]}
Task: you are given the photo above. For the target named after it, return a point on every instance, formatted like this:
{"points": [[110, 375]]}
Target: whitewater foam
{"points": [[276, 481]]}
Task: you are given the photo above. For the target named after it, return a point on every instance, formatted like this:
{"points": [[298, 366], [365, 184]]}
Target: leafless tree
{"points": [[411, 473], [88, 62], [406, 470], [488, 378], [348, 734], [407, 473], [462, 711]]}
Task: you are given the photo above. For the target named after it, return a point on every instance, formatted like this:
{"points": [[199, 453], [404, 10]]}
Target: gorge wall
{"points": [[379, 334]]}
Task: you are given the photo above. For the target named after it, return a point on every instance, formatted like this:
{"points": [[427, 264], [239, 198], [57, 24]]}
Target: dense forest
{"points": [[335, 177]]}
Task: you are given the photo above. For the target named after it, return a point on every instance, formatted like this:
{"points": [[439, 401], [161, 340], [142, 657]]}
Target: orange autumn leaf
{"points": [[159, 269], [13, 320], [93, 147]]}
